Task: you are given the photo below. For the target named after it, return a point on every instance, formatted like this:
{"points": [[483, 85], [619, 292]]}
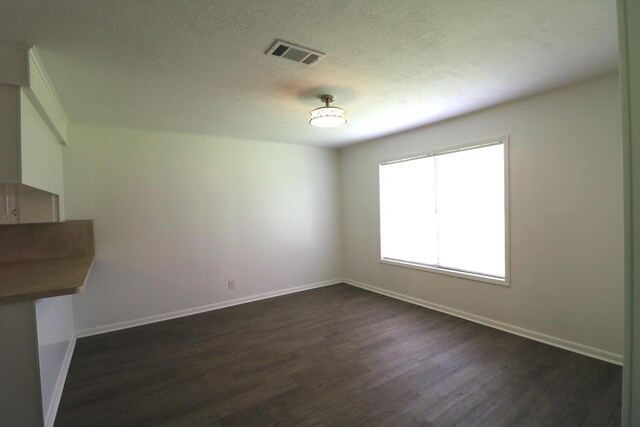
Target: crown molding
{"points": [[35, 58]]}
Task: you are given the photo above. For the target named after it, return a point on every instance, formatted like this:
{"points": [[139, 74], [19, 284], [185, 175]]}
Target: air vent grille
{"points": [[294, 52], [278, 51]]}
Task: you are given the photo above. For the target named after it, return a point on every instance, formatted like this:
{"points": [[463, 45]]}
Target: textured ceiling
{"points": [[199, 66]]}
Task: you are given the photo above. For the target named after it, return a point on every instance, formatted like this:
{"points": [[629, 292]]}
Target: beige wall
{"points": [[177, 216], [566, 217]]}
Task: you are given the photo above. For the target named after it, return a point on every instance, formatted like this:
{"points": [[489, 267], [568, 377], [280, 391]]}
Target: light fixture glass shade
{"points": [[327, 117]]}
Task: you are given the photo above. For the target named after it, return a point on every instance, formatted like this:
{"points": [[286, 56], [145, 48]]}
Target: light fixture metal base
{"points": [[326, 99]]}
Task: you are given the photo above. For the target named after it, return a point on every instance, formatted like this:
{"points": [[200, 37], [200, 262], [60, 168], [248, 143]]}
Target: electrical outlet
{"points": [[231, 284]]}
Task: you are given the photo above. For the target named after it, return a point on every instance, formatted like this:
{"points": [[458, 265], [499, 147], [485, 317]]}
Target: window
{"points": [[446, 211]]}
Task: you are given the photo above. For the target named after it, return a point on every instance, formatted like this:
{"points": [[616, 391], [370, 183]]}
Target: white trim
{"points": [[44, 98], [516, 330], [52, 411], [506, 281], [201, 309], [454, 273], [504, 139], [33, 54]]}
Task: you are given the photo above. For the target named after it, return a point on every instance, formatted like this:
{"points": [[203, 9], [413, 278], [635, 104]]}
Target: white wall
{"points": [[176, 216], [566, 215]]}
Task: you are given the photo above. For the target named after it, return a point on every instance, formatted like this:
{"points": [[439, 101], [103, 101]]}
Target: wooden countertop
{"points": [[30, 280]]}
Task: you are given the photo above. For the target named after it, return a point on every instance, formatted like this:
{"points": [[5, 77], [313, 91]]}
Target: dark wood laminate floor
{"points": [[332, 356]]}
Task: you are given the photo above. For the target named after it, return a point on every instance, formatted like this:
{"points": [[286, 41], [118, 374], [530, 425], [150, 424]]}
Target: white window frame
{"points": [[504, 140]]}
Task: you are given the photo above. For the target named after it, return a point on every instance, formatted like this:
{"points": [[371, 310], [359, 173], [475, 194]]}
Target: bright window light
{"points": [[446, 211]]}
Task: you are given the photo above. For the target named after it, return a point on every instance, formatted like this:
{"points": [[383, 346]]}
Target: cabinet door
{"points": [[8, 204], [40, 151]]}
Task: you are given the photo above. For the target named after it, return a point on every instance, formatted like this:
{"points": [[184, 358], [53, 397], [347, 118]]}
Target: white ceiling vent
{"points": [[295, 52]]}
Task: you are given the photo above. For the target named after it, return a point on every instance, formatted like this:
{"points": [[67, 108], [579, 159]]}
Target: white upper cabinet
{"points": [[32, 131], [41, 153]]}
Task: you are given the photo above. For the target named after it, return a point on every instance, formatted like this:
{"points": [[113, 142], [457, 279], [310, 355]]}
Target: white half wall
{"points": [[56, 339], [178, 216], [566, 215]]}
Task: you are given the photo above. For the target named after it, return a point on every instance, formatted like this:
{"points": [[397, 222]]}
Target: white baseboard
{"points": [[537, 336], [52, 411], [201, 309]]}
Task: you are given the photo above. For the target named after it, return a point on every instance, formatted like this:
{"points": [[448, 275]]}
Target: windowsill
{"points": [[468, 276]]}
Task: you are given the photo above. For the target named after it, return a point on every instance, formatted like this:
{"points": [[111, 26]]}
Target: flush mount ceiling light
{"points": [[327, 117]]}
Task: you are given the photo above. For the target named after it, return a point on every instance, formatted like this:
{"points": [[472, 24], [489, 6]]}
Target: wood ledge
{"points": [[30, 280]]}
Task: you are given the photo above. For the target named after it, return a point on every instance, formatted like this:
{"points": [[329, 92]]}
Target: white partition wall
{"points": [[56, 338]]}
